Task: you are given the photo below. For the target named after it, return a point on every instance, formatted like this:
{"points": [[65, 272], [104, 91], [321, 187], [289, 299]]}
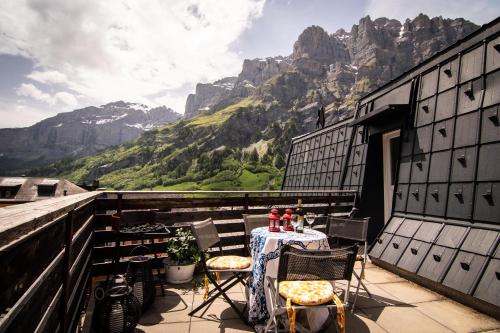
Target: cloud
{"points": [[478, 11], [30, 90], [48, 76], [20, 114], [110, 50], [66, 98]]}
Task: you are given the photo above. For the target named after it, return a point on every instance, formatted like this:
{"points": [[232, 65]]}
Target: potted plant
{"points": [[183, 255]]}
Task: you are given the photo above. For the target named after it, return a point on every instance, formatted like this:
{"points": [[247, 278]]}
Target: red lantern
{"points": [[287, 220], [274, 220]]}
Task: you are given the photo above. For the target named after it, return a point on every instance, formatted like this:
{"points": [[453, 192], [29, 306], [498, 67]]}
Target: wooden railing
{"points": [[45, 260], [50, 249], [178, 209]]}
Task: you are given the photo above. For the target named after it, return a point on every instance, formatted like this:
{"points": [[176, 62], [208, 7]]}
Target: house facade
{"points": [[423, 152]]}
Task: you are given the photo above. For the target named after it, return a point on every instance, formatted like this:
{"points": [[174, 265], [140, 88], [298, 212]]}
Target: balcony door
{"points": [[390, 151]]}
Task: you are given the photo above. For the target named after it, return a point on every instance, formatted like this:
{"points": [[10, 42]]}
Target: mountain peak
{"points": [[315, 43]]}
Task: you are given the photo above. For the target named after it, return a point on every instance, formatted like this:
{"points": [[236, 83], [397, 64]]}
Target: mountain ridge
{"points": [[77, 133], [239, 136]]}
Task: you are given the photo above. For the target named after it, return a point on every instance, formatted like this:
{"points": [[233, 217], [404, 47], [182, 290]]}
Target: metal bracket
{"points": [[465, 266], [494, 118], [459, 195], [488, 195], [435, 194], [462, 160], [447, 70], [469, 92]]}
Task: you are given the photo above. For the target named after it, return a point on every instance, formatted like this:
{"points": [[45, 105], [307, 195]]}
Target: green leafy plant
{"points": [[182, 249]]}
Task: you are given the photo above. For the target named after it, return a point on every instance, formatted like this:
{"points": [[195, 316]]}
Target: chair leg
{"points": [[361, 280], [223, 284], [212, 297], [221, 291], [360, 283], [270, 321], [356, 293]]}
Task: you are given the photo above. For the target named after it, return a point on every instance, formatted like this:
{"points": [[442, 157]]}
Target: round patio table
{"points": [[265, 249]]}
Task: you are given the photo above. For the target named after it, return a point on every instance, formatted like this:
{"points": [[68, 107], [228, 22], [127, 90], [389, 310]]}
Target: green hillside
{"points": [[242, 146]]}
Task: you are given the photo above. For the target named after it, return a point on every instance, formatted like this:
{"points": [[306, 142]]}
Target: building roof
{"points": [[27, 188], [12, 182], [49, 182]]}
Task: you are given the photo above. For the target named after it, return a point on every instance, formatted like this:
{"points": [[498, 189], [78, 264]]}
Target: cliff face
{"points": [[78, 133], [334, 69], [383, 48], [207, 95]]}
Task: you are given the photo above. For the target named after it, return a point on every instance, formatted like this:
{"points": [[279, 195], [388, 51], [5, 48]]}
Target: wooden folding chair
{"points": [[207, 237]]}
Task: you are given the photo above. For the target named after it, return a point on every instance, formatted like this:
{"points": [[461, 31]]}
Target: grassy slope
{"points": [[174, 158]]}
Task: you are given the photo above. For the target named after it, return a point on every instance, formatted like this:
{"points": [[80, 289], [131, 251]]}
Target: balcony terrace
{"points": [[53, 252]]}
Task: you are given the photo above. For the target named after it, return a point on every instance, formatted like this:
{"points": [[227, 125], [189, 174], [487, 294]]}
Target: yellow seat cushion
{"points": [[229, 262], [307, 292]]}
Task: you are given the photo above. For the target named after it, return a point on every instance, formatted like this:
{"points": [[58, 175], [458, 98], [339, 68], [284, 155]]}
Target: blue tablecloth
{"points": [[265, 247]]}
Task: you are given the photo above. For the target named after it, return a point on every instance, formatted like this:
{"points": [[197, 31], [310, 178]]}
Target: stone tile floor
{"points": [[397, 306]]}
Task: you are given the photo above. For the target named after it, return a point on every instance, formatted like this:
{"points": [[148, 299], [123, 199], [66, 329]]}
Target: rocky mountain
{"points": [[236, 131], [78, 133], [253, 73], [334, 69]]}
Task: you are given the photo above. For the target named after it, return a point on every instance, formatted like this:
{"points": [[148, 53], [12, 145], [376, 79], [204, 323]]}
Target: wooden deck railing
{"points": [[45, 260], [178, 209], [50, 249]]}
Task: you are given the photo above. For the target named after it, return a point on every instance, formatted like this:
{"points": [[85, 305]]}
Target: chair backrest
{"points": [[348, 228], [298, 264], [206, 234], [254, 221]]}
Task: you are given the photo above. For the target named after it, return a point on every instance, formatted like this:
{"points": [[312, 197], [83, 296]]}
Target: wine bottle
{"points": [[300, 217]]}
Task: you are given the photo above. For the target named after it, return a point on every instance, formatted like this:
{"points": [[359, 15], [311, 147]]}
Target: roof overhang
{"points": [[48, 182], [12, 182], [390, 111]]}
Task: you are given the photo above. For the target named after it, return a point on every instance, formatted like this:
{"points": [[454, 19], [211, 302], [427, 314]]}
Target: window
{"points": [[46, 190], [8, 192]]}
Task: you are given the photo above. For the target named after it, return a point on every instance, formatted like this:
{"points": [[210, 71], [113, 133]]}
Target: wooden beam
{"points": [[68, 244], [169, 203]]}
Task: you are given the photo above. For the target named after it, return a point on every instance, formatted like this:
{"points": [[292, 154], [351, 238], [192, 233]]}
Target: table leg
{"points": [[158, 270]]}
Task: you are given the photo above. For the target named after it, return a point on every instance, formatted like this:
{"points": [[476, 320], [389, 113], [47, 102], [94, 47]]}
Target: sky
{"points": [[60, 55]]}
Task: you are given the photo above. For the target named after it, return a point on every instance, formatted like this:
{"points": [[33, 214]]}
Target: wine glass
{"points": [[310, 217], [294, 221]]}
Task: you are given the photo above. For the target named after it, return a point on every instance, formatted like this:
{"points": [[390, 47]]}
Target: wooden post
{"points": [[116, 259], [119, 203], [68, 242], [329, 209], [246, 203]]}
